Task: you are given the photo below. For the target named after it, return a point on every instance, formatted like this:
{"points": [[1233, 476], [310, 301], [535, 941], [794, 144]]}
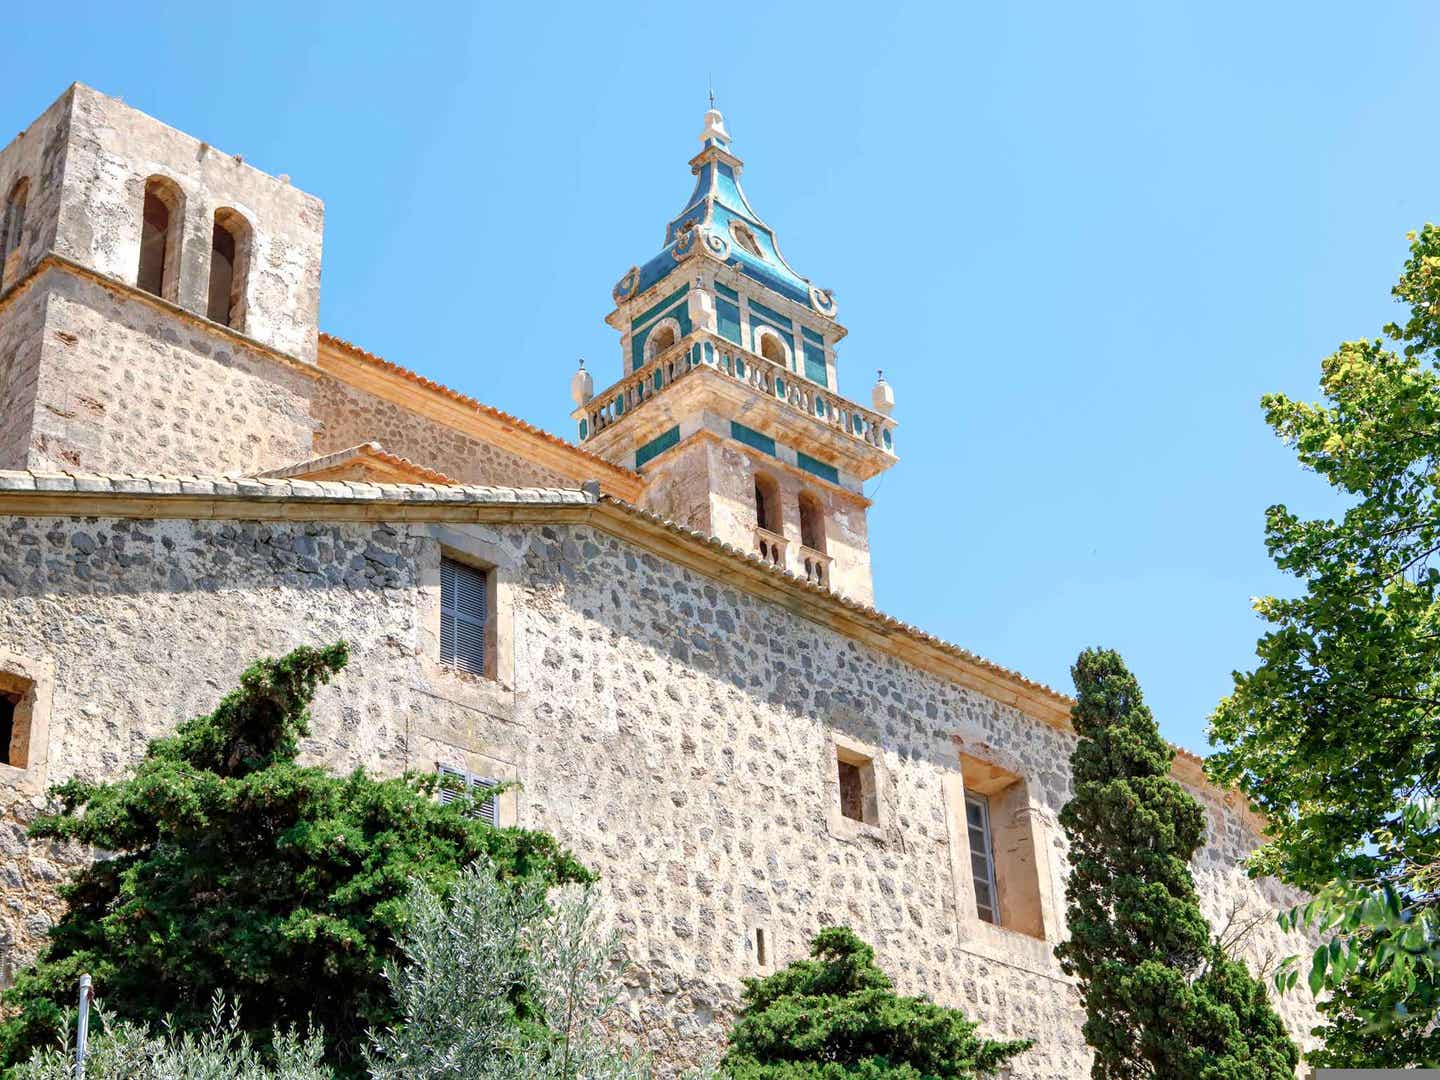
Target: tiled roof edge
{"points": [[371, 450], [270, 487], [368, 357]]}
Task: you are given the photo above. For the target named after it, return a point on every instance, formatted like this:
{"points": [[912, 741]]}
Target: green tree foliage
{"points": [[1336, 733], [228, 866], [836, 1016], [1161, 997], [503, 981]]}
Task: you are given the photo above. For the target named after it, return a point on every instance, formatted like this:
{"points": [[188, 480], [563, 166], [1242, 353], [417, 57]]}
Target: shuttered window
{"points": [[982, 857], [462, 616], [485, 809]]}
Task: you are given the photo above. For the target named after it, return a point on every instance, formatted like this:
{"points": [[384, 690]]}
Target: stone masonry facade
{"points": [[677, 732], [679, 709]]}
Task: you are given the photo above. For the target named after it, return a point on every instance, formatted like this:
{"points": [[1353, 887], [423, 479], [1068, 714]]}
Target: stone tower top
{"points": [[103, 185], [730, 384]]}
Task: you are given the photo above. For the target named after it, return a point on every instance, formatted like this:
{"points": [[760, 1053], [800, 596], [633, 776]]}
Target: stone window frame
{"points": [[242, 235], [759, 333], [34, 680], [1021, 842], [172, 194], [841, 747], [495, 688]]}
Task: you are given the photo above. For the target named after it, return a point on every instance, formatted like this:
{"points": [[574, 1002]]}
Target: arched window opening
{"points": [[772, 348], [665, 335], [812, 523], [12, 231], [229, 263], [160, 227], [767, 504]]}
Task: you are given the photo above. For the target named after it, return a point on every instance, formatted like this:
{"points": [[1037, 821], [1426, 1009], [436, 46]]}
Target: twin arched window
{"points": [[769, 517], [162, 227]]}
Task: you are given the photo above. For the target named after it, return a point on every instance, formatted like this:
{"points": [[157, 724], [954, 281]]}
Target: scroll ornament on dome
{"points": [[823, 301], [684, 245], [626, 286]]}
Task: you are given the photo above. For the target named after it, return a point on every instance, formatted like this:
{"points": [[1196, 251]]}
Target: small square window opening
{"points": [[856, 776]]}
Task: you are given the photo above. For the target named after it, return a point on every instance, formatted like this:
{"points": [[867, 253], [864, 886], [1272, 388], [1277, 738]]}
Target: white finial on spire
{"points": [[714, 127]]}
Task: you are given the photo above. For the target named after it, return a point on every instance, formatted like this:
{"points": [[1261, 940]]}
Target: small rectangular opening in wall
{"points": [[761, 956], [856, 775], [9, 706], [17, 707]]}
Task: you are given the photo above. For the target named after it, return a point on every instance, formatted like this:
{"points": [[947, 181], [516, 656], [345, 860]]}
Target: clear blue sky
{"points": [[1082, 240]]}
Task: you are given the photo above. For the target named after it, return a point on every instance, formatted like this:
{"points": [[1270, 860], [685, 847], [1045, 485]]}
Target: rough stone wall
{"points": [[22, 328], [127, 387], [672, 729], [677, 487], [708, 485], [38, 155], [112, 149], [349, 416]]}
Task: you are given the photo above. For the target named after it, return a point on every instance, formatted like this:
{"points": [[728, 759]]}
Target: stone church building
{"points": [[664, 630]]}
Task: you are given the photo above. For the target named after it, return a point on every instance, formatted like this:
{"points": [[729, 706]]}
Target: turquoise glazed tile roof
{"points": [[719, 216]]}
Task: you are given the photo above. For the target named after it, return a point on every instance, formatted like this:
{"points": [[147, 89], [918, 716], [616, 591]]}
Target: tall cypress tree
{"points": [[1162, 999]]}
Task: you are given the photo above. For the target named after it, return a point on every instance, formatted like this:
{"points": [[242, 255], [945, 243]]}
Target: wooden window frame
{"points": [[989, 912]]}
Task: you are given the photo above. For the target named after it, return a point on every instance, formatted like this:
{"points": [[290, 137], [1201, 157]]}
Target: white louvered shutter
{"points": [[487, 809], [462, 616]]}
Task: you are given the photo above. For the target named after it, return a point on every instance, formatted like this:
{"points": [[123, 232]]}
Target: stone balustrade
{"points": [[770, 546], [815, 566], [703, 347]]}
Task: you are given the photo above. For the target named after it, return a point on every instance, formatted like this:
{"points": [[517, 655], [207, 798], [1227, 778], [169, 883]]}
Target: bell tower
{"points": [[729, 401]]}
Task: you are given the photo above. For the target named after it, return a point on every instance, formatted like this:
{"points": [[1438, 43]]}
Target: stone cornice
{"points": [[253, 499], [63, 264], [365, 371]]}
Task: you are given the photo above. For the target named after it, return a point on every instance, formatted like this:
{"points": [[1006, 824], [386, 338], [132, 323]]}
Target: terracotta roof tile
{"points": [[371, 451]]}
